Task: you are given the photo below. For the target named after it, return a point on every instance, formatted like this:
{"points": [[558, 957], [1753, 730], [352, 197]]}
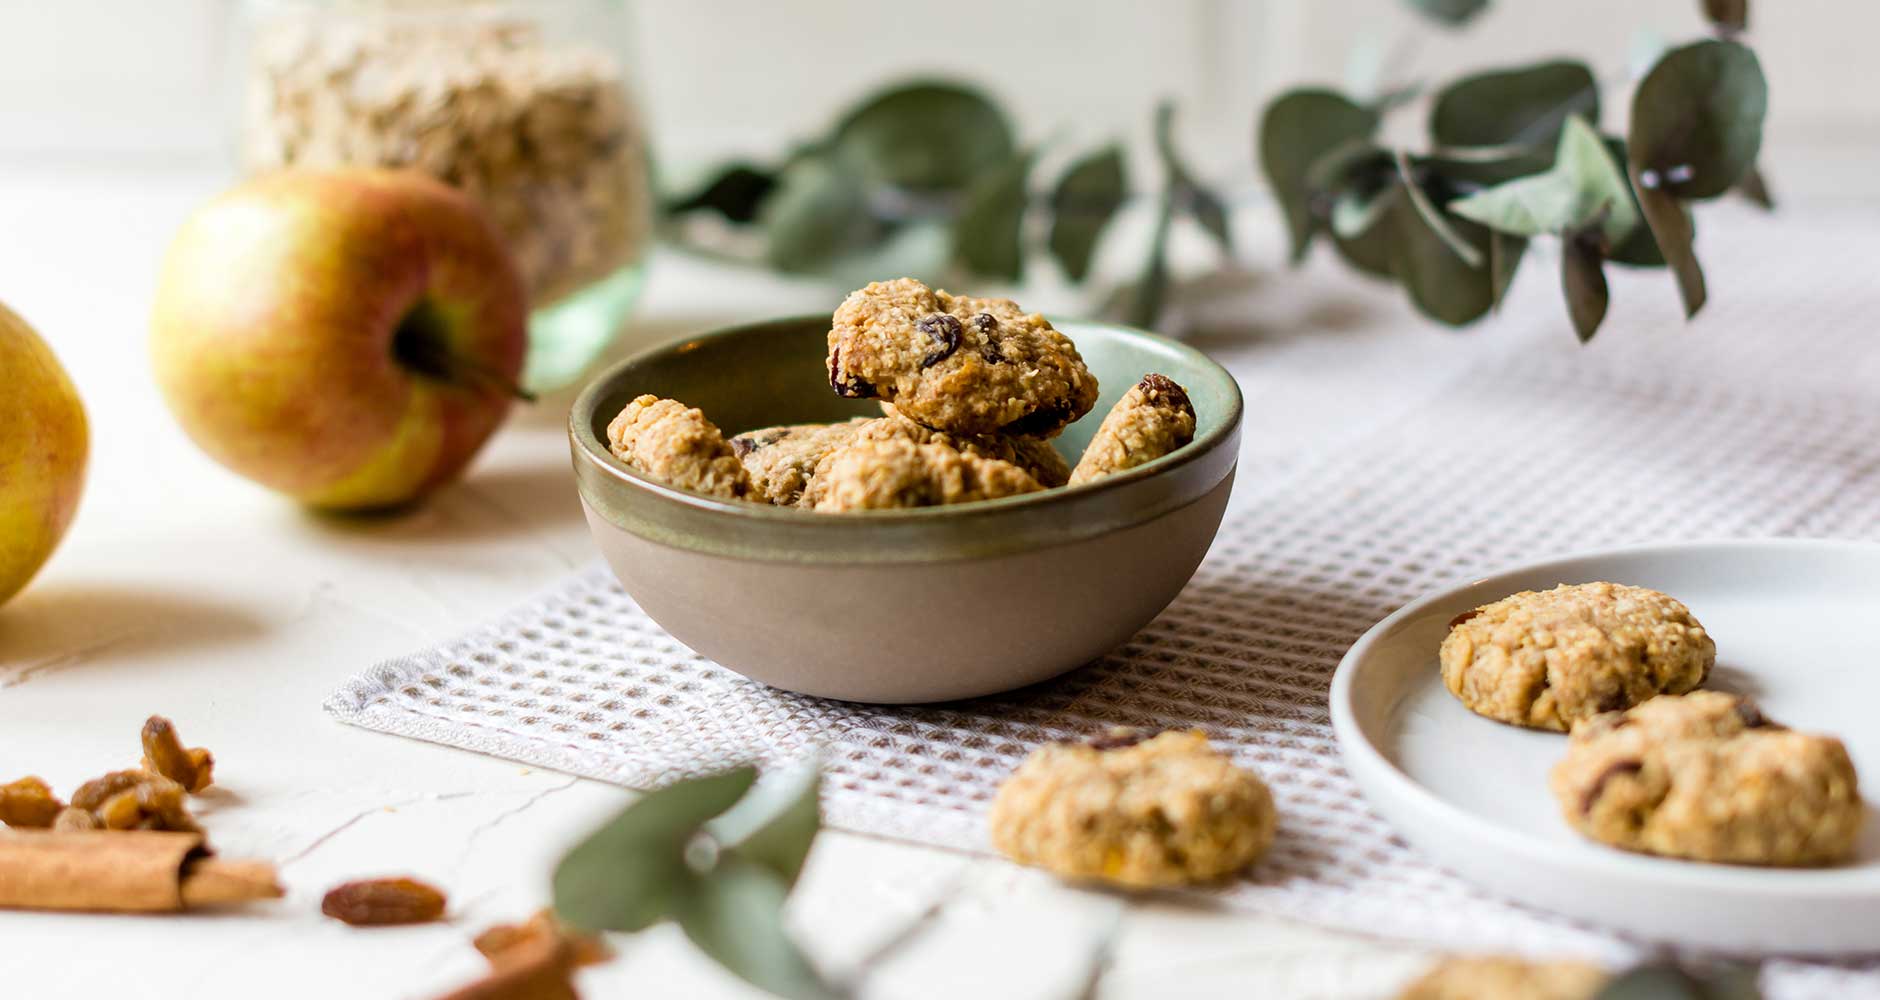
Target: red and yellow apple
{"points": [[349, 338], [43, 444]]}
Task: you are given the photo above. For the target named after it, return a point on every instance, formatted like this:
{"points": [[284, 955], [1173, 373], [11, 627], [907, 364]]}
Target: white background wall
{"points": [[145, 78]]}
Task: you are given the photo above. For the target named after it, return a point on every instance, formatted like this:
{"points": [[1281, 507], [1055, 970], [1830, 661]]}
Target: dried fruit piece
{"points": [[129, 800], [72, 818], [29, 804], [383, 902], [946, 331], [164, 753]]}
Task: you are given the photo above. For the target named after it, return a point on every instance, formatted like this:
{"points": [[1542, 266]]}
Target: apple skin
{"points": [[44, 441], [285, 315]]}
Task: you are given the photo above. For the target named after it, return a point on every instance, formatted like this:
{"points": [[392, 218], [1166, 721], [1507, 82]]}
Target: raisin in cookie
{"points": [[675, 444], [881, 475], [1134, 811], [1151, 420], [1546, 658], [781, 460], [1495, 978], [961, 365], [1705, 776], [1035, 455]]}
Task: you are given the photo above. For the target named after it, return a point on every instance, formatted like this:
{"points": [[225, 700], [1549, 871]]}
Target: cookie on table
{"points": [[1035, 455], [883, 475], [781, 460], [675, 444], [1153, 419], [1704, 776], [1498, 978], [956, 364], [1134, 810], [1546, 658]]}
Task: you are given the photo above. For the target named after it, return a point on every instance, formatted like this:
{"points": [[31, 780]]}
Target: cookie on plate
{"points": [[1499, 978], [1134, 810], [1153, 419], [675, 444], [781, 460], [1544, 659], [956, 364], [1705, 776], [884, 475]]}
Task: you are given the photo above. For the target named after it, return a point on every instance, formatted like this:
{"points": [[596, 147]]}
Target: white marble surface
{"points": [[186, 591]]}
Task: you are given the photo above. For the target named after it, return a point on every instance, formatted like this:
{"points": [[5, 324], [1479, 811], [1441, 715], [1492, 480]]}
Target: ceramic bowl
{"points": [[901, 606]]}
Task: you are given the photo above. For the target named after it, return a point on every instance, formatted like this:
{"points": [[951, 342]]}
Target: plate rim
{"points": [[1368, 765]]}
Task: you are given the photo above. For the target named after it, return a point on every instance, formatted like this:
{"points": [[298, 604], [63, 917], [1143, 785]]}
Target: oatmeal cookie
{"points": [[879, 475], [675, 444], [1546, 658], [1151, 420], [1035, 455], [1705, 776], [956, 364], [781, 460], [1497, 978], [1134, 810]]}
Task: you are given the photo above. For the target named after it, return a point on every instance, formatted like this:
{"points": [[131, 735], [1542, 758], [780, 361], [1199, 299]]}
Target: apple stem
{"points": [[420, 345]]}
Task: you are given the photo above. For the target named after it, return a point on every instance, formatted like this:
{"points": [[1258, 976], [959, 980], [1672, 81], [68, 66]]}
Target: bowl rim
{"points": [[589, 447]]}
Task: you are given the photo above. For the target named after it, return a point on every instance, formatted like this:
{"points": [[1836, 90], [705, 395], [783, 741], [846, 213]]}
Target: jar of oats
{"points": [[526, 105]]}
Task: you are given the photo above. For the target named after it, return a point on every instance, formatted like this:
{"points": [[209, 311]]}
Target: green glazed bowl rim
{"points": [[654, 509]]}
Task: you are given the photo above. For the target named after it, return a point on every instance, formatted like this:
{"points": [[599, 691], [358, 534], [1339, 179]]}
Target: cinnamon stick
{"points": [[123, 871]]}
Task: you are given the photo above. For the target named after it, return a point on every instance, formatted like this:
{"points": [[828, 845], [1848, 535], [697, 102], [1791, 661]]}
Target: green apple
{"points": [[349, 338], [43, 443]]}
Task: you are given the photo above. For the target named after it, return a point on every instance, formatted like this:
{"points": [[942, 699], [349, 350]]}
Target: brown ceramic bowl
{"points": [[909, 605]]}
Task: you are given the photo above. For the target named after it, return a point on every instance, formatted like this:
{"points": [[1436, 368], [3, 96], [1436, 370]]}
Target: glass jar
{"points": [[526, 105]]}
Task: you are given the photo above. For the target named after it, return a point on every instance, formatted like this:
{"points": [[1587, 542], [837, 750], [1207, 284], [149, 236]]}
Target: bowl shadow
{"points": [[60, 627]]}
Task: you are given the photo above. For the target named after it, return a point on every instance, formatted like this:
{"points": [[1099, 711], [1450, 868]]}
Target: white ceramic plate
{"points": [[1796, 625]]}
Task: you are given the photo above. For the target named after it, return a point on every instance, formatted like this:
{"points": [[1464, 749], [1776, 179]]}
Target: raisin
{"points": [[1043, 420], [845, 385], [1612, 771], [73, 818], [1613, 701], [1117, 738], [383, 902], [130, 800], [1165, 392], [1752, 716], [97, 791], [1457, 621], [986, 322], [29, 804], [193, 768], [946, 331]]}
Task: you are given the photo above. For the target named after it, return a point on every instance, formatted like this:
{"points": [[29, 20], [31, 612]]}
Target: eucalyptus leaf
{"points": [[1357, 162], [1728, 15], [1671, 228], [988, 232], [1453, 13], [1086, 198], [1652, 982], [1640, 249], [1697, 119], [927, 136], [1370, 249], [736, 193], [774, 824], [1754, 186], [1210, 210], [1354, 214], [1140, 303], [1504, 256], [1441, 284], [818, 212], [1207, 207], [1297, 129], [630, 873], [1515, 107], [1584, 183], [1472, 168], [1434, 219], [735, 915], [1584, 282]]}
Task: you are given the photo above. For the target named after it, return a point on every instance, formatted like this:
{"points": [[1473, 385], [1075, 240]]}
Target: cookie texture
{"points": [[1134, 811], [883, 475], [1153, 419], [1498, 978], [956, 364], [1546, 658], [781, 460], [675, 444], [1035, 455], [1705, 776]]}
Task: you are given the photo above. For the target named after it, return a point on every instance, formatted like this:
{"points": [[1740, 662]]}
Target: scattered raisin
{"points": [[193, 768], [383, 902], [29, 804], [1612, 771], [1118, 737], [946, 331], [130, 800], [73, 818]]}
